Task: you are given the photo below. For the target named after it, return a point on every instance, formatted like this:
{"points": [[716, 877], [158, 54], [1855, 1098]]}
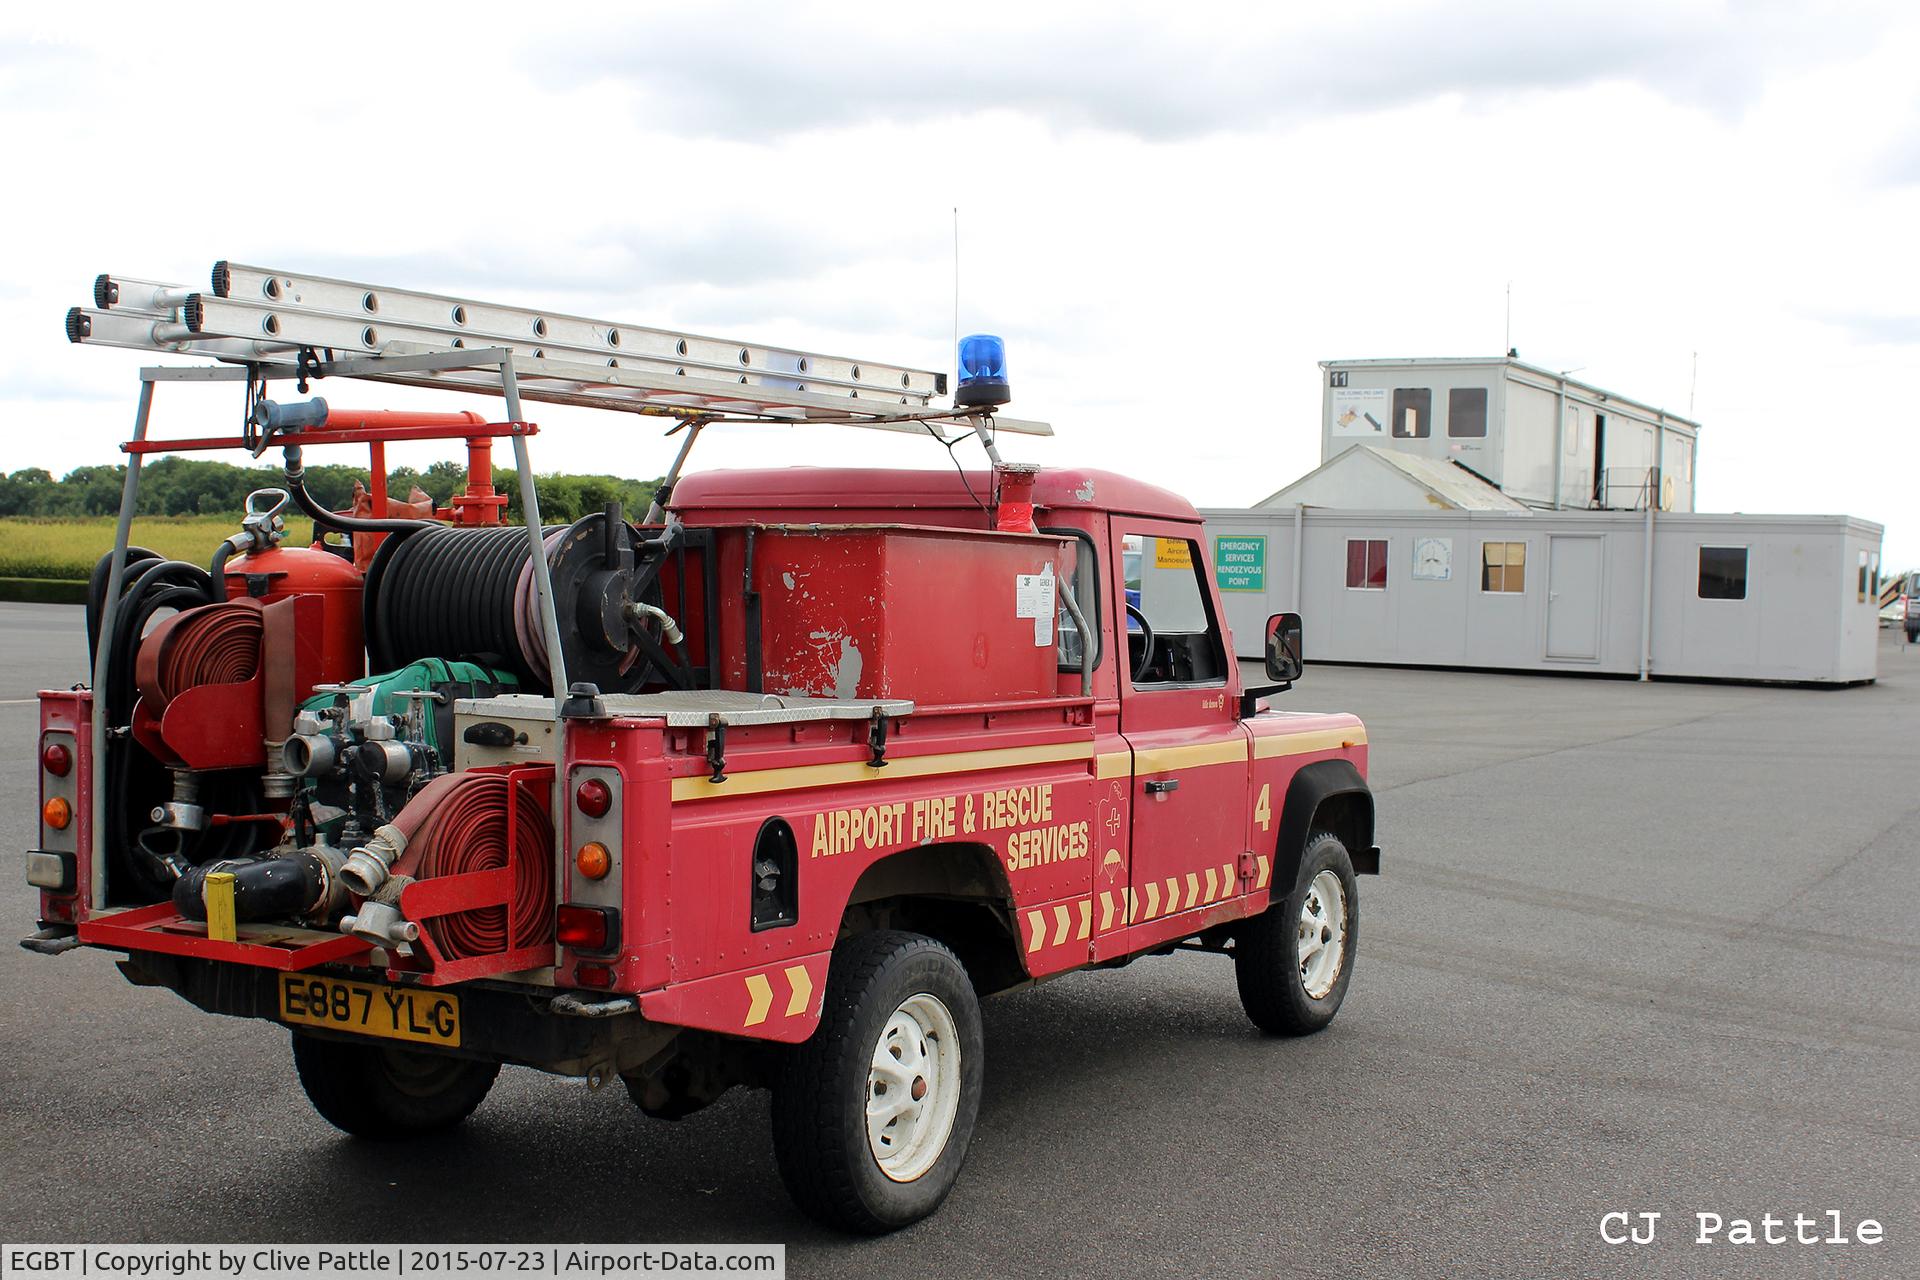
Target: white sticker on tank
{"points": [[1033, 598]]}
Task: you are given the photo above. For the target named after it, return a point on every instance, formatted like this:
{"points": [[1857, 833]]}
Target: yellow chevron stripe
{"points": [[1106, 910], [1153, 900], [840, 775], [1213, 884], [802, 989], [1086, 919], [1060, 916], [1193, 890], [1226, 879], [759, 998], [1037, 930]]}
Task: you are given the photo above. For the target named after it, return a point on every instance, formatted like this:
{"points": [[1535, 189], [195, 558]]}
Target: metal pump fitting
{"points": [[184, 812], [368, 866], [382, 924], [308, 755], [388, 761]]}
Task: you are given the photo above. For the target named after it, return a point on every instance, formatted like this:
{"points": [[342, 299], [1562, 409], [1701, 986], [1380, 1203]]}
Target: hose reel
{"points": [[450, 592]]}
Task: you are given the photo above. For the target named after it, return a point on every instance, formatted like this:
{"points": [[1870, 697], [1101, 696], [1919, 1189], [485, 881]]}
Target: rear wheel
{"points": [[873, 1115], [375, 1091], [1294, 960]]}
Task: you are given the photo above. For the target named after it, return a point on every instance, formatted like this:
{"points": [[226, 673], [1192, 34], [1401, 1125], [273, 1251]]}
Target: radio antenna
{"points": [[955, 346]]}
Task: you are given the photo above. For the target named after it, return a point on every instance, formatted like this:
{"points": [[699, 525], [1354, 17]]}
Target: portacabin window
{"points": [[1467, 413], [1723, 573], [1412, 413], [1503, 567], [1366, 564]]}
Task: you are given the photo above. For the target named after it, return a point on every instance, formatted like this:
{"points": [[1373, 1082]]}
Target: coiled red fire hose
{"points": [[472, 822], [213, 644]]}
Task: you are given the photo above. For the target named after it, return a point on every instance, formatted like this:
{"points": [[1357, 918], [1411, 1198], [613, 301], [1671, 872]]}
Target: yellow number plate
{"points": [[393, 1013]]}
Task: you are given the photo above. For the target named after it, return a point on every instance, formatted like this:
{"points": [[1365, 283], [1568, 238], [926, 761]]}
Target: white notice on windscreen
{"points": [[1033, 598]]}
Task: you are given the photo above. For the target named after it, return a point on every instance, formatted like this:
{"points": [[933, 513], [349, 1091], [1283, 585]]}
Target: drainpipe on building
{"points": [[1299, 536], [1646, 599], [1559, 444]]}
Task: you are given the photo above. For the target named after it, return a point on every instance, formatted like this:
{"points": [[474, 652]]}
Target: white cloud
{"points": [[1170, 214]]}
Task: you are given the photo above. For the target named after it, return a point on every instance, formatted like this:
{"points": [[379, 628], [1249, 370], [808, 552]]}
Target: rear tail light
{"points": [[594, 798], [594, 975], [591, 929], [57, 813], [56, 759]]}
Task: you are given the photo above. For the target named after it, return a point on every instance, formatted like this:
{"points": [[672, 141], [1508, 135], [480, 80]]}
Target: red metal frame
{"points": [[264, 946], [326, 435]]}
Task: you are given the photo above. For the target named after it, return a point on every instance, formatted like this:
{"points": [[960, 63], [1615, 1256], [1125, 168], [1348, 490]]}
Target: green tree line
{"points": [[174, 486]]}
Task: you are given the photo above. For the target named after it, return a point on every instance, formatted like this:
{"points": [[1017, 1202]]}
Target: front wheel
{"points": [[1293, 961], [873, 1115], [374, 1091]]}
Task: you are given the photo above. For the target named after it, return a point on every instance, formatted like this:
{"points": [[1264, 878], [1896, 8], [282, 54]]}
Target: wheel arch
{"points": [[956, 893], [1327, 795]]}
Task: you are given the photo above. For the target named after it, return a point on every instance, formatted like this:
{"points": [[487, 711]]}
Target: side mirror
{"points": [[1284, 663]]}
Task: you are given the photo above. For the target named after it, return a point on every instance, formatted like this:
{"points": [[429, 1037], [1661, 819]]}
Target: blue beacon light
{"points": [[983, 372]]}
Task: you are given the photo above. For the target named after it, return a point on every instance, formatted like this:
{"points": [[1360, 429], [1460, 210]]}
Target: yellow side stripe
{"points": [[838, 775], [1113, 764], [1228, 751], [1299, 744]]}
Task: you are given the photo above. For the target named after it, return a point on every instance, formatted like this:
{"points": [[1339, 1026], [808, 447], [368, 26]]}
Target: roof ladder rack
{"points": [[252, 314]]}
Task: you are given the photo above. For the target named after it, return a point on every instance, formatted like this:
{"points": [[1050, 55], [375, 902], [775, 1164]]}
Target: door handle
{"points": [[1160, 786]]}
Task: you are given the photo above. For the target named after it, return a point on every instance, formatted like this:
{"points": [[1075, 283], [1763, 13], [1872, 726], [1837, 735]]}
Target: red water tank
{"points": [[289, 571]]}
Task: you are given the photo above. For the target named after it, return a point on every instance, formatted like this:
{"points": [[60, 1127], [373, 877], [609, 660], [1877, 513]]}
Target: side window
{"points": [[1503, 567], [1172, 636], [1723, 573], [1467, 413], [1081, 571], [1366, 564], [1412, 413]]}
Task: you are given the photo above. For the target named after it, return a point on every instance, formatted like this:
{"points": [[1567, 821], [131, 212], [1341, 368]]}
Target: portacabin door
{"points": [[1575, 564], [1179, 712]]}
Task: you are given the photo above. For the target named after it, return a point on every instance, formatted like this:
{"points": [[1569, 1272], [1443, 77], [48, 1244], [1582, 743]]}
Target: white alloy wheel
{"points": [[913, 1088], [1323, 934]]}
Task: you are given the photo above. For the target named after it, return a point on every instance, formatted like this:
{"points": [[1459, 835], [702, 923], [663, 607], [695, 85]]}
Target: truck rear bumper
{"points": [[525, 1026]]}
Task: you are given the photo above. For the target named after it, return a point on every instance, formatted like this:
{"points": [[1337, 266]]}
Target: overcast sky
{"points": [[1170, 211]]}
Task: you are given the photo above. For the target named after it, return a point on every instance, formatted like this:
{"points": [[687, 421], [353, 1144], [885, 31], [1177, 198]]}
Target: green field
{"points": [[61, 550]]}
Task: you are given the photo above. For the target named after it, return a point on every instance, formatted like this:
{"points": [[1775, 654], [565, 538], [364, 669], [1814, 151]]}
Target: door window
{"points": [[1173, 639]]}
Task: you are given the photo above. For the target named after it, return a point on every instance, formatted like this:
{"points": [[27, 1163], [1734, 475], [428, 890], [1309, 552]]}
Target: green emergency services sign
{"points": [[1240, 563]]}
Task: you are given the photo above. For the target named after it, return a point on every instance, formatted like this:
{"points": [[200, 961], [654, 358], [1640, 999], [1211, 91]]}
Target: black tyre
{"points": [[873, 1115], [1913, 635], [1294, 960], [373, 1091]]}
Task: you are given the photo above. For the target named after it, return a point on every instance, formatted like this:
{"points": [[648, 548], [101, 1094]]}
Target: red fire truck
{"points": [[768, 788]]}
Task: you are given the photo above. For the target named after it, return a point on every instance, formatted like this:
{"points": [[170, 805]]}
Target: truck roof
{"points": [[822, 489]]}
